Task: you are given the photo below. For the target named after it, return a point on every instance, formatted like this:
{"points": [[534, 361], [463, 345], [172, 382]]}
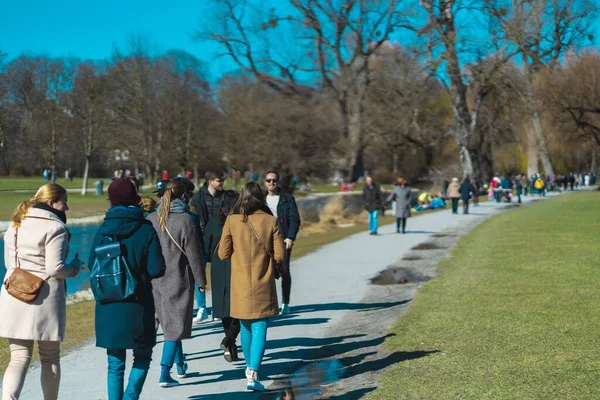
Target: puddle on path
{"points": [[398, 275], [427, 246], [307, 381]]}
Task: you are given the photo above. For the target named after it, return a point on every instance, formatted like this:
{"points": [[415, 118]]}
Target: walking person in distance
{"points": [[454, 194], [373, 201], [251, 240], [284, 209], [401, 194]]}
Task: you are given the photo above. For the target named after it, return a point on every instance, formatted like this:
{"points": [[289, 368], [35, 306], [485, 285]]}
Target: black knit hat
{"points": [[121, 192]]}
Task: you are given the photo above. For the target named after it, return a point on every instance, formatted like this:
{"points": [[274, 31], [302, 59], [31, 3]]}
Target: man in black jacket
{"points": [[207, 201], [283, 206]]}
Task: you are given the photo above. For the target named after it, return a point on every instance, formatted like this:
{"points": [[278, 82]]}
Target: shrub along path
{"points": [[328, 287]]}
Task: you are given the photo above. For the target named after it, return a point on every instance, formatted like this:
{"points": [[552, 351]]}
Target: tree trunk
{"points": [[484, 160], [594, 166], [537, 124], [351, 109], [532, 153], [85, 175], [541, 141], [395, 163]]}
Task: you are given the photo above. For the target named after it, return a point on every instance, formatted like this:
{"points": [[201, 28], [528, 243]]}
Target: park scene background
{"points": [[328, 92]]}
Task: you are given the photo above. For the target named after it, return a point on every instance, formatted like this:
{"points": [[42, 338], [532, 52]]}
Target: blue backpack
{"points": [[111, 278]]}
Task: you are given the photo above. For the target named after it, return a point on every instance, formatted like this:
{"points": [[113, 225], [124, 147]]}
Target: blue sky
{"points": [[91, 29]]}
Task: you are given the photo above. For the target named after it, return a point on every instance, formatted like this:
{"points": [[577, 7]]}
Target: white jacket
{"points": [[43, 245]]}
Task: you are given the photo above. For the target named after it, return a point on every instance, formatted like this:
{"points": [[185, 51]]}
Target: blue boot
{"points": [[165, 380]]}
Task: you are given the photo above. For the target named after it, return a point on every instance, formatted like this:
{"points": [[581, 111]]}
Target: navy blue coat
{"points": [[130, 324]]}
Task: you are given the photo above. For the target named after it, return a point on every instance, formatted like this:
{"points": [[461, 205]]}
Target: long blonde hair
{"points": [[48, 192], [175, 190]]}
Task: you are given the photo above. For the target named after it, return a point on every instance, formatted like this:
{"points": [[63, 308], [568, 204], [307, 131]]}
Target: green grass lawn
{"points": [[514, 313], [33, 183], [79, 206]]}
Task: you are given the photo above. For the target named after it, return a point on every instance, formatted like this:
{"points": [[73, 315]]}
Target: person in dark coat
{"points": [[174, 292], [465, 193], [129, 324], [220, 277], [284, 209], [373, 200], [401, 195], [207, 201]]}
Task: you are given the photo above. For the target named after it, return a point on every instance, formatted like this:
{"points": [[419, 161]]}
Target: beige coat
{"points": [[253, 290], [454, 190], [42, 250]]}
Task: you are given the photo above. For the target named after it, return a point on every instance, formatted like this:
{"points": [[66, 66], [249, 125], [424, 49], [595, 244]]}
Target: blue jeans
{"points": [[137, 376], [200, 297], [373, 220], [172, 354], [254, 337]]}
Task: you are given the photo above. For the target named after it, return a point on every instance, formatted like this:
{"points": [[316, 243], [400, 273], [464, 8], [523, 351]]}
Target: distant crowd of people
{"points": [[148, 263], [465, 191]]}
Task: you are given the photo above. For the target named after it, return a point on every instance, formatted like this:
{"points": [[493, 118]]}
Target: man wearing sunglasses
{"points": [[283, 206]]}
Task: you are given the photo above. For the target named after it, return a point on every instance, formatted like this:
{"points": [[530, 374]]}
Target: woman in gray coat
{"points": [[401, 195], [179, 237]]}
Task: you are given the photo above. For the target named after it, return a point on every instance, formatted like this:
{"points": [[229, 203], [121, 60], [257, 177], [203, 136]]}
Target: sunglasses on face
{"points": [[271, 180]]}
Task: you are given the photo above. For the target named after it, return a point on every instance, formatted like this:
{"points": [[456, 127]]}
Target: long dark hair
{"points": [[252, 199], [228, 201]]}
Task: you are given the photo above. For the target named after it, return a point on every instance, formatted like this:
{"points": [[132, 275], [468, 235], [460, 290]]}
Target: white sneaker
{"points": [[201, 316]]}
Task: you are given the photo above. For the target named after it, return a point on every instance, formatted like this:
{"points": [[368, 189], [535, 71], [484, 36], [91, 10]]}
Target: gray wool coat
{"points": [[174, 292], [402, 197]]}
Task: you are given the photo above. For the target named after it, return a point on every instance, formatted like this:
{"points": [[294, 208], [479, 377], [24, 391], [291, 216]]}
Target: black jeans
{"points": [[454, 206], [231, 327], [286, 278], [465, 206], [401, 222]]}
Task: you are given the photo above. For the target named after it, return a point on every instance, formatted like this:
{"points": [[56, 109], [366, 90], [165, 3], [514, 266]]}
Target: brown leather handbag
{"points": [[23, 285]]}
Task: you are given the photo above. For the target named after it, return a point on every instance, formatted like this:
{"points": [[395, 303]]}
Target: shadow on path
{"points": [[345, 306]]}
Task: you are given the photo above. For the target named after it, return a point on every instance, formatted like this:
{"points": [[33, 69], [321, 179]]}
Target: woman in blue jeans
{"points": [[252, 229], [180, 241], [129, 324]]}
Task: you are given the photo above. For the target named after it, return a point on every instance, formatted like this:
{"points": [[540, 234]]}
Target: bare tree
{"points": [[444, 43], [573, 94], [336, 38], [541, 31], [89, 107], [406, 109]]}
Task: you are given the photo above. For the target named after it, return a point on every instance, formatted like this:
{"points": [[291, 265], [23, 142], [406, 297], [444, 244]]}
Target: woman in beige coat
{"points": [[37, 241], [454, 194], [252, 242]]}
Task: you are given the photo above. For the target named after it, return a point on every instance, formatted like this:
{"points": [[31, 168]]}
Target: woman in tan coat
{"points": [[454, 194], [37, 242], [252, 242]]}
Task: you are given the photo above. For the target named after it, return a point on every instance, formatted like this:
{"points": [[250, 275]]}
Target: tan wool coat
{"points": [[253, 289], [43, 245], [454, 190]]}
